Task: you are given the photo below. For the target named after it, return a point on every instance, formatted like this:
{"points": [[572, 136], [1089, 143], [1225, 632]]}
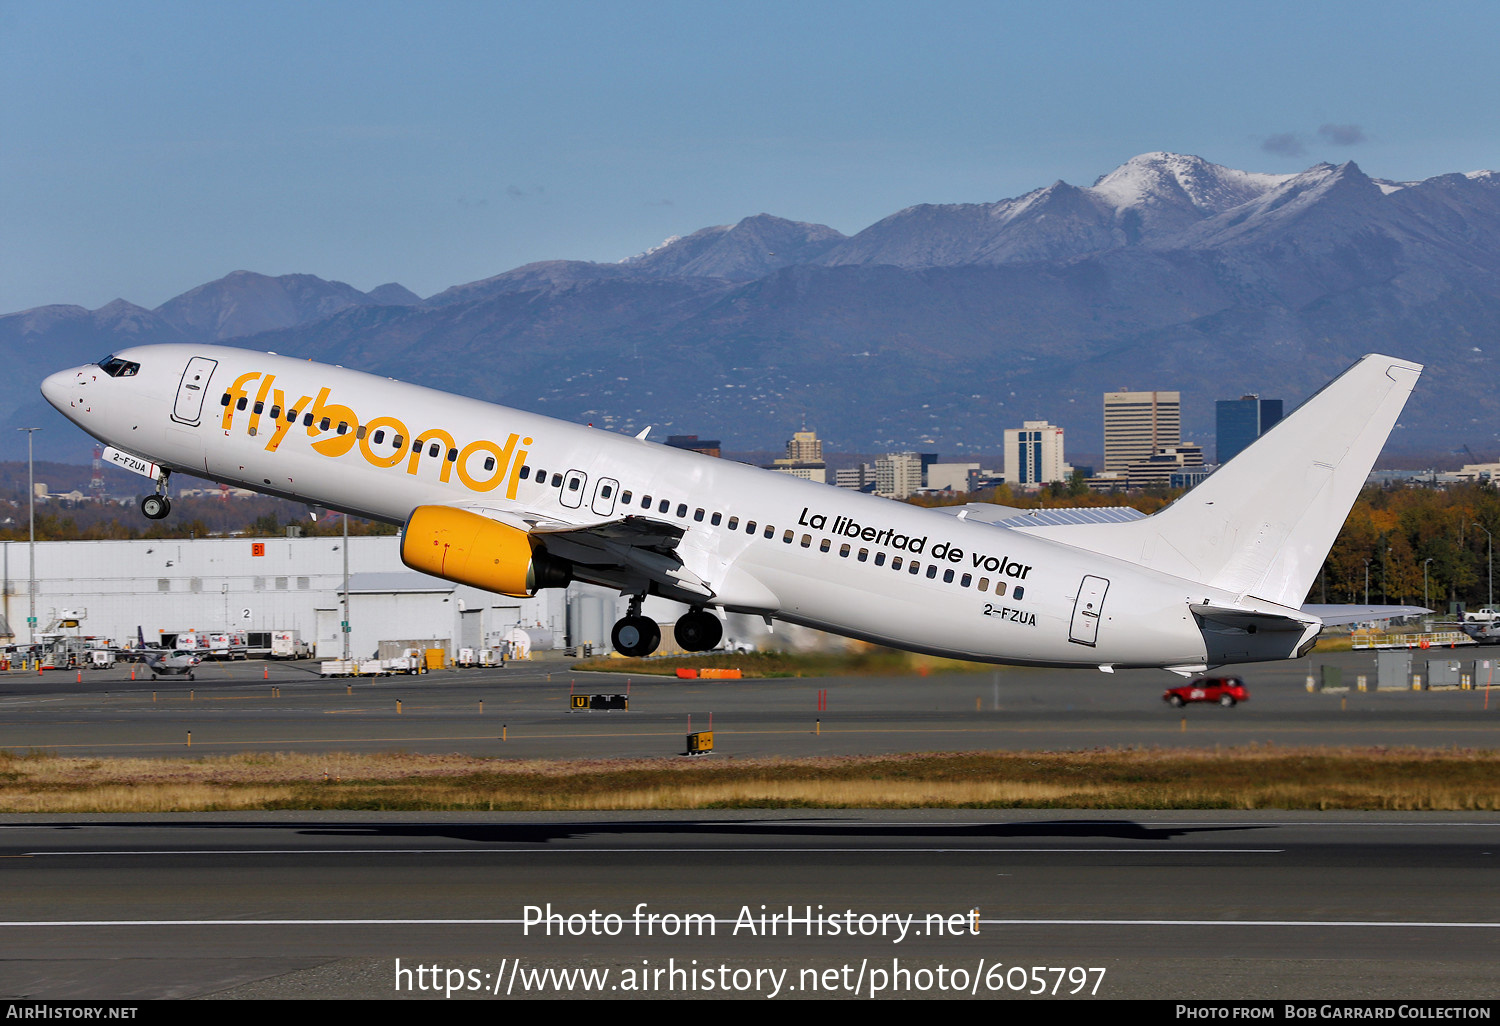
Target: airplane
{"points": [[512, 502], [161, 661]]}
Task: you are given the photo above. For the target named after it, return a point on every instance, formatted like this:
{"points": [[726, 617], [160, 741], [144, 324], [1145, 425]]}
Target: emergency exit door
{"points": [[1087, 610], [188, 409]]}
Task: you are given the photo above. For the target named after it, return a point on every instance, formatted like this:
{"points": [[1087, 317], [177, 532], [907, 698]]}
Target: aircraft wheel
{"points": [[699, 631], [154, 507], [1226, 700], [635, 636]]}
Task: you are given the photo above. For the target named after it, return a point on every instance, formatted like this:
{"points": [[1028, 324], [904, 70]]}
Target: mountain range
{"points": [[934, 328]]}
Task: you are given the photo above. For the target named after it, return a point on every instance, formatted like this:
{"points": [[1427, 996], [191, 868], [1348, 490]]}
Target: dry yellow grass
{"points": [[1245, 778]]}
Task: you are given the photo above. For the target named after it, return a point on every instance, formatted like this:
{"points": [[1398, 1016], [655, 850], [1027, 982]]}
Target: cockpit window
{"points": [[118, 368]]}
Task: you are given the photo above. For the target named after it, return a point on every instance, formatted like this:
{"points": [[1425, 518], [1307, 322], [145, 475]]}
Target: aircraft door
{"points": [[604, 496], [572, 488], [1087, 609], [188, 408]]}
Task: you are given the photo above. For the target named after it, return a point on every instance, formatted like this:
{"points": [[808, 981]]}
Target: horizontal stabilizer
{"points": [[1338, 616]]}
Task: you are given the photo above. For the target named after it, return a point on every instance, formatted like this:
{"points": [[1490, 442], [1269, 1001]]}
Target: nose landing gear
{"points": [[154, 507]]}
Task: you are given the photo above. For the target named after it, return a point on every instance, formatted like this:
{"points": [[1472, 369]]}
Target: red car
{"points": [[1224, 690]]}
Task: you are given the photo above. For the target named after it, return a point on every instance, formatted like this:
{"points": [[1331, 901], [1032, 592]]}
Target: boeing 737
{"points": [[512, 502]]}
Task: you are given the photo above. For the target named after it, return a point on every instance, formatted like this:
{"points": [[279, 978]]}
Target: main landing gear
{"points": [[635, 635], [698, 631], [155, 507]]}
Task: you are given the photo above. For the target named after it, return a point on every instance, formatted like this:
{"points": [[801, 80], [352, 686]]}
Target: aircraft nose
{"points": [[57, 388]]}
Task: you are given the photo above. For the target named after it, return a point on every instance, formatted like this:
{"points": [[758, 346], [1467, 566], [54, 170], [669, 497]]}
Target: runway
{"points": [[523, 711], [1122, 905], [1171, 905]]}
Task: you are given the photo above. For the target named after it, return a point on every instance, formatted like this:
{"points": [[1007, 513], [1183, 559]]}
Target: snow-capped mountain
{"points": [[936, 327]]}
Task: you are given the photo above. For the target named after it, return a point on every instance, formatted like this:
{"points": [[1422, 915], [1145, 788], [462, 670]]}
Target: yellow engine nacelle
{"points": [[457, 545]]}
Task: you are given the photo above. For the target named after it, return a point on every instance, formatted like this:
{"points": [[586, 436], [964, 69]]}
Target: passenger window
{"points": [[999, 587], [625, 497], [275, 412], [1018, 593], [750, 527], [525, 473], [291, 416], [259, 408], [931, 571], [965, 580], [715, 519], [645, 502], [734, 524], [489, 461], [948, 576], [433, 449], [896, 563], [844, 550], [379, 436], [556, 480], [343, 427], [697, 514], [788, 536], [307, 420], [452, 455], [984, 584], [770, 531], [663, 506], [325, 424], [573, 482], [606, 491], [880, 559], [824, 545], [360, 432], [914, 568], [864, 555], [225, 401], [682, 509], [807, 541], [242, 403]]}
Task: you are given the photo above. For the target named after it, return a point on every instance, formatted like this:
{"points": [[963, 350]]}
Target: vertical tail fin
{"points": [[1262, 524]]}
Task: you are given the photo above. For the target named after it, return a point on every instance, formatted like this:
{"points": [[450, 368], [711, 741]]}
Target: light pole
{"points": [[1367, 582], [31, 544], [1425, 602], [1491, 561]]}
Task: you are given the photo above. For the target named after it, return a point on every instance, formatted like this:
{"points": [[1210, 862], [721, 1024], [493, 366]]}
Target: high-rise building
{"points": [[707, 446], [1238, 422], [1034, 454], [898, 474], [1139, 424], [805, 447], [804, 458]]}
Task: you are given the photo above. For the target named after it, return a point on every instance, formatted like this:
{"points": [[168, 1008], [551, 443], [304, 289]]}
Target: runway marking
{"points": [[1321, 924], [670, 851]]}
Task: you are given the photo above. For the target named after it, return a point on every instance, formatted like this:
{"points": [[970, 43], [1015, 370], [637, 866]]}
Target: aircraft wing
{"points": [[614, 550]]}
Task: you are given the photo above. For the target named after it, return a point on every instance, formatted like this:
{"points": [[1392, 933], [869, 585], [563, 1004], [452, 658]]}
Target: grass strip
{"points": [[1253, 777]]}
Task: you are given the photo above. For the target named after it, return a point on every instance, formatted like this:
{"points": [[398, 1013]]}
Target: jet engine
{"points": [[465, 547]]}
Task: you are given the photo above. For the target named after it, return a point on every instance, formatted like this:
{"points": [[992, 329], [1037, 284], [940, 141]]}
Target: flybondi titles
{"points": [[848, 527], [383, 441]]}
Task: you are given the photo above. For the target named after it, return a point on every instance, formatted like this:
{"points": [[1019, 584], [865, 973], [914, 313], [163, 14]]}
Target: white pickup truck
{"points": [[1489, 614]]}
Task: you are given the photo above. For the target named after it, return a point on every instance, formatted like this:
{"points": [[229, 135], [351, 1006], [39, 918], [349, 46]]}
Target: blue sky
{"points": [[146, 148]]}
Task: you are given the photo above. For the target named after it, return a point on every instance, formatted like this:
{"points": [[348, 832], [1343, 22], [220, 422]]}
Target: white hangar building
{"points": [[255, 584]]}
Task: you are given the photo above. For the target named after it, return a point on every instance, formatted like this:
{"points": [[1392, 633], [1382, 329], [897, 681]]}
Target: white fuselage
{"points": [[819, 556]]}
